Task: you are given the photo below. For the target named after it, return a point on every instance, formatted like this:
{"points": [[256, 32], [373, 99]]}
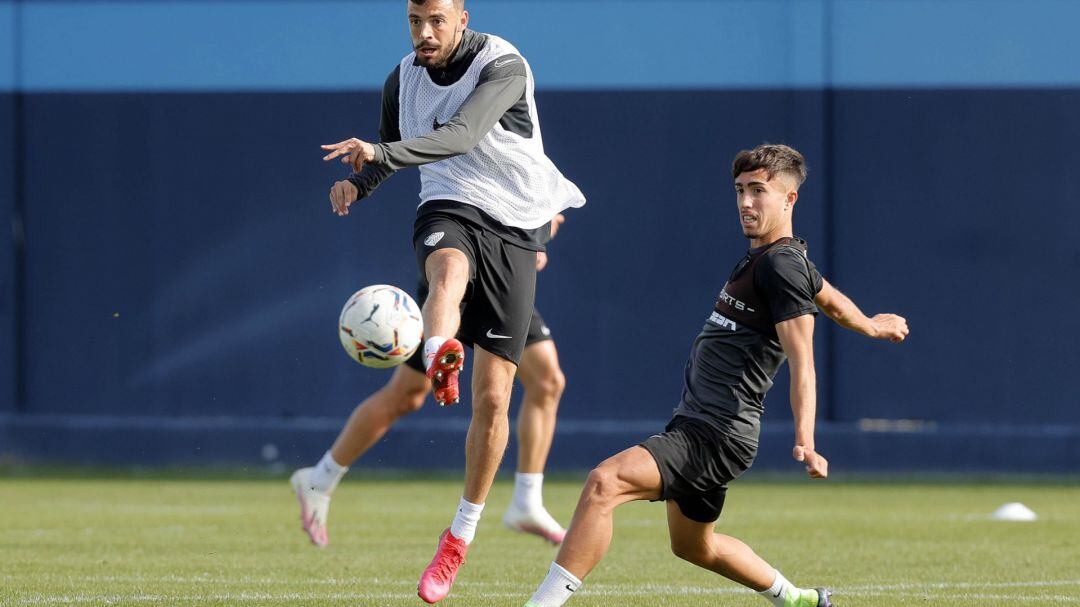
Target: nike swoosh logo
{"points": [[569, 588], [494, 336], [507, 62]]}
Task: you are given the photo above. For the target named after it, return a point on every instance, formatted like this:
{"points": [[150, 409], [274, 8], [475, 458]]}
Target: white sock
{"points": [[327, 474], [778, 592], [556, 589], [528, 491], [464, 525], [431, 346]]}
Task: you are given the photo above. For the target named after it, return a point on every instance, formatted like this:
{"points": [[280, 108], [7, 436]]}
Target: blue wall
{"points": [[184, 273]]}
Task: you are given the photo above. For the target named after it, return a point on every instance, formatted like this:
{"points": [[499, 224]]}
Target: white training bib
{"points": [[506, 175]]}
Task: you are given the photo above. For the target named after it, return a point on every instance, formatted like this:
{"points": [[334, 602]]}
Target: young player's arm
{"points": [[501, 85], [790, 282], [362, 183], [845, 313], [797, 338]]}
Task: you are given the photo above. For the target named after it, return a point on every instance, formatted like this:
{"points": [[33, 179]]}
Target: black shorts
{"points": [[538, 331], [497, 308], [696, 463]]}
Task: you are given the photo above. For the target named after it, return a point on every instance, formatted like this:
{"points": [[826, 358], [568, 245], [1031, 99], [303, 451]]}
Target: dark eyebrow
{"points": [[751, 183]]}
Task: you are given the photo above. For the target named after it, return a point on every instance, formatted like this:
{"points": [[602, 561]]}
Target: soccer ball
{"points": [[380, 326]]}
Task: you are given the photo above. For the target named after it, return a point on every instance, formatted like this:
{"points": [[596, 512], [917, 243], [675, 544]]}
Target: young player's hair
{"points": [[774, 158]]}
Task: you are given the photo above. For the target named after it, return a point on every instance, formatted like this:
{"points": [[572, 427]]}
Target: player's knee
{"points": [[412, 400], [491, 402], [549, 386], [602, 486], [407, 395]]}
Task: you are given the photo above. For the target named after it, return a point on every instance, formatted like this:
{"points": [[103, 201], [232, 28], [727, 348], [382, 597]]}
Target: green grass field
{"points": [[145, 541]]}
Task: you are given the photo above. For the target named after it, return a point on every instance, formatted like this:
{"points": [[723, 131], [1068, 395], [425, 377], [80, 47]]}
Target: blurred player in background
{"points": [[764, 315], [461, 107], [543, 382]]}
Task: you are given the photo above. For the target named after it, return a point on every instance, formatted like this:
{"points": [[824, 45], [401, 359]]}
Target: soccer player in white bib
{"points": [[461, 108]]}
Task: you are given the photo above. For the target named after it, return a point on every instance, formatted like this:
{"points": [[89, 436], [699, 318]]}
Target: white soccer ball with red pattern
{"points": [[380, 326]]}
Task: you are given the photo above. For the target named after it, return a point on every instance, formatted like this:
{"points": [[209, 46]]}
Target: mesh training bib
{"points": [[506, 175]]}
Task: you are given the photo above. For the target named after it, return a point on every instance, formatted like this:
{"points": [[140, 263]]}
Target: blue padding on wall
{"points": [[957, 208], [210, 270], [7, 253], [573, 44]]}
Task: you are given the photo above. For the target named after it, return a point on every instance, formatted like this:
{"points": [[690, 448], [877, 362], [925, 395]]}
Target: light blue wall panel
{"points": [[343, 45], [956, 43], [8, 40]]}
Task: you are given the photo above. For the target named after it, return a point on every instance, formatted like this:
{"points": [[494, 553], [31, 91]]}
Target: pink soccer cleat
{"points": [[443, 372], [436, 580]]}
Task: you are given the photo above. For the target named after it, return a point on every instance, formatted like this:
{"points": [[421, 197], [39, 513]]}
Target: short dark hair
{"points": [[458, 4], [774, 158]]}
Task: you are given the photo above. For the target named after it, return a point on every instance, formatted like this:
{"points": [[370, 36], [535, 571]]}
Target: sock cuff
{"points": [[529, 477], [561, 572], [470, 508], [331, 463]]}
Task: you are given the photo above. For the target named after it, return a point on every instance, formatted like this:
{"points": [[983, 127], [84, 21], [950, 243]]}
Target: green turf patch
{"points": [[185, 541]]}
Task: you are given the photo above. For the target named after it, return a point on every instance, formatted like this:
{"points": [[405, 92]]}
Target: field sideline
{"points": [[179, 541]]}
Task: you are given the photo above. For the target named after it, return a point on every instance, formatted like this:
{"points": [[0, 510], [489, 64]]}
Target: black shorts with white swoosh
{"points": [[498, 305]]}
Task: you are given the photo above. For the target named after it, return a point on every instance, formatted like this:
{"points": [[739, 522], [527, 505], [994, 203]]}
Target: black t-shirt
{"points": [[736, 356]]}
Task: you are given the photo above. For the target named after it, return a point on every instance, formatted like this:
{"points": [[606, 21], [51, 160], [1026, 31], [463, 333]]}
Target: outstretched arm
{"points": [[797, 338], [501, 85], [845, 313], [363, 182]]}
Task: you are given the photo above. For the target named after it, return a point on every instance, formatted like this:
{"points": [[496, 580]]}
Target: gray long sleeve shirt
{"points": [[499, 97]]}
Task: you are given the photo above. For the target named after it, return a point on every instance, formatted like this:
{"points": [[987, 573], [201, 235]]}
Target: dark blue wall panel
{"points": [[7, 252], [957, 208], [195, 236], [185, 263]]}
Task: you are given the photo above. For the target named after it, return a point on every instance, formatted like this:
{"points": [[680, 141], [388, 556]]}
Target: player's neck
{"points": [[771, 237]]}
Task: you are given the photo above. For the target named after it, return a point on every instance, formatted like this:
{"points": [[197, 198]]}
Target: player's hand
{"points": [[541, 260], [342, 195], [353, 152], [889, 326], [816, 465], [556, 221]]}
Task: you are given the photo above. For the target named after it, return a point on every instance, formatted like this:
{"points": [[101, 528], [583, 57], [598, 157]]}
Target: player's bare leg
{"points": [[403, 394], [627, 476], [447, 272], [489, 430], [698, 543], [543, 383]]}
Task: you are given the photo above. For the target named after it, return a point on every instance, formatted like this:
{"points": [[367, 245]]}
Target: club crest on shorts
{"points": [[434, 238]]}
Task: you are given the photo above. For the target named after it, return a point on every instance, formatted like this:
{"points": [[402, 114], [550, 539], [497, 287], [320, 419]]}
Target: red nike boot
{"points": [[443, 372]]}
